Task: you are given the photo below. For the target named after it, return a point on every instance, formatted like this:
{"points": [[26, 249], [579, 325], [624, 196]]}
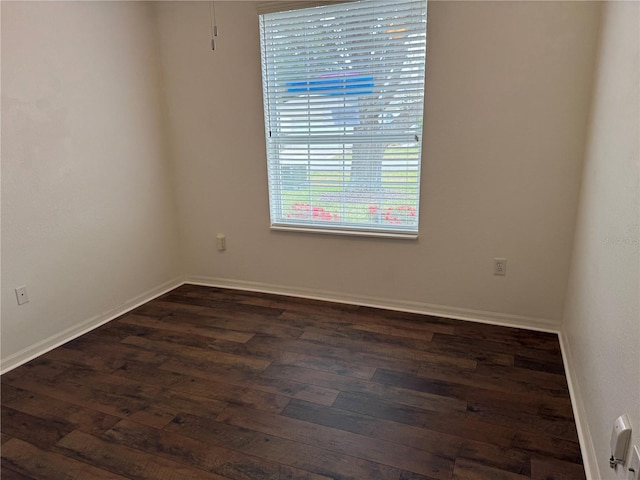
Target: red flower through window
{"points": [[304, 211]]}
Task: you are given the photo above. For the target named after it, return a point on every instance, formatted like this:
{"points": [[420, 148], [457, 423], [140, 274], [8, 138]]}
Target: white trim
{"points": [[518, 321], [346, 231], [579, 413], [60, 338], [480, 316]]}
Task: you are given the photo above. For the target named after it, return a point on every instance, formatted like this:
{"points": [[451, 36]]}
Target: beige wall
{"points": [[88, 215], [507, 98], [602, 318]]}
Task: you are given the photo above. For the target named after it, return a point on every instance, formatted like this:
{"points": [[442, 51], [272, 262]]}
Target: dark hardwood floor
{"points": [[210, 383]]}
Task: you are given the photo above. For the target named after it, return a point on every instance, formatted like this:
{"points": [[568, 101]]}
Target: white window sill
{"points": [[346, 232]]}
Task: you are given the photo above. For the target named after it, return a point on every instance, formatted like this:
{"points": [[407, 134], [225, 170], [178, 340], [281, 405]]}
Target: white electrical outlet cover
{"points": [[499, 266], [620, 437], [22, 296]]}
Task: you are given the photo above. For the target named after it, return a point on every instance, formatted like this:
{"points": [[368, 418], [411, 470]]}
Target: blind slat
{"points": [[291, 5]]}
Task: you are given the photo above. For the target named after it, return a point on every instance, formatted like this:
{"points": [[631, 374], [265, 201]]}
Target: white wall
{"points": [[88, 215], [507, 99], [602, 318]]}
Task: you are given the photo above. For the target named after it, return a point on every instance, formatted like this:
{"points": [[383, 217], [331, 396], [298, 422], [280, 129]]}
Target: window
{"points": [[343, 88]]}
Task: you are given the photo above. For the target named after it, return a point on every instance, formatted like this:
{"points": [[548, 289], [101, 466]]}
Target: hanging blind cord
{"points": [[214, 24]]}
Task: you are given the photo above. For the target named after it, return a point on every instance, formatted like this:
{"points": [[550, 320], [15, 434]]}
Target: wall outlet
{"points": [[499, 266], [21, 294], [634, 465]]}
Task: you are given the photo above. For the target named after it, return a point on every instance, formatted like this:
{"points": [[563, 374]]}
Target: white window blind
{"points": [[343, 93], [280, 6]]}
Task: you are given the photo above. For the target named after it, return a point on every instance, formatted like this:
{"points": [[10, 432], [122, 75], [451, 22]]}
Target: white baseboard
{"points": [[580, 415], [60, 338], [518, 321], [507, 320]]}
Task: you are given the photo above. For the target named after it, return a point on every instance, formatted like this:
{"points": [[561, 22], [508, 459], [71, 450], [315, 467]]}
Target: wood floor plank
{"points": [[170, 323], [547, 446], [217, 312], [454, 348], [404, 475], [227, 306], [39, 370], [214, 350], [491, 349], [51, 409], [396, 412], [154, 397], [127, 461], [538, 365], [42, 432], [10, 474], [202, 387], [557, 427], [304, 316], [107, 335], [177, 448], [385, 335], [391, 394], [105, 357], [29, 460], [227, 319], [198, 354], [339, 355], [361, 446], [161, 307], [372, 319], [423, 334], [236, 385], [322, 364], [277, 449], [490, 379], [546, 468], [298, 305], [543, 406], [467, 427], [180, 339], [82, 396], [120, 397], [510, 336], [393, 351], [277, 386], [273, 349], [445, 445], [525, 376], [212, 455], [492, 345], [414, 320], [466, 470]]}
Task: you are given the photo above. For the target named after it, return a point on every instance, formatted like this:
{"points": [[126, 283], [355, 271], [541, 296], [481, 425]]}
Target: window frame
{"points": [[275, 180]]}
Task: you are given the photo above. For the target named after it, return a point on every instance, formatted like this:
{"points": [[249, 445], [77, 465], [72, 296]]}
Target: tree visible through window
{"points": [[343, 89]]}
